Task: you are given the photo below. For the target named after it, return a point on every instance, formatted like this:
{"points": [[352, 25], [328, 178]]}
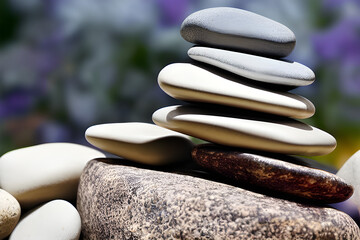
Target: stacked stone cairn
{"points": [[238, 86], [244, 184]]}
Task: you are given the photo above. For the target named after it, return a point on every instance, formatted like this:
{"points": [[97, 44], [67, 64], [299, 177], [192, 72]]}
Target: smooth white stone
{"points": [[188, 82], [55, 220], [255, 67], [350, 172], [141, 142], [280, 135], [9, 213], [44, 172]]}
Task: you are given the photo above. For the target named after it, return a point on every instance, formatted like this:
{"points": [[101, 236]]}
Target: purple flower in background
{"points": [[17, 102], [51, 131], [173, 11], [342, 42], [335, 4], [350, 77]]}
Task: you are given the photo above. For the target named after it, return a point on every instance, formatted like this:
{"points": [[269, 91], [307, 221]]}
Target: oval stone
{"points": [[255, 67], [135, 203], [239, 30], [350, 171], [188, 82], [57, 219], [141, 142], [44, 172], [279, 173], [9, 213], [246, 129]]}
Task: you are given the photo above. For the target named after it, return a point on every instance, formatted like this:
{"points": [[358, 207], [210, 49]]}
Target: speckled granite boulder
{"points": [[124, 202]]}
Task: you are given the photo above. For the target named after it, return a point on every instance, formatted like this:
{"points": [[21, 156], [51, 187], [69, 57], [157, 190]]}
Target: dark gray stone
{"points": [[122, 202], [239, 30], [273, 171]]}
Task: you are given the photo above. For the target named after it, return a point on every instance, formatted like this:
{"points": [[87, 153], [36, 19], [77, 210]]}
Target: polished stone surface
{"points": [[189, 82], [350, 172], [141, 142], [44, 172], [273, 172], [57, 219], [246, 129], [240, 30], [253, 67], [9, 213]]}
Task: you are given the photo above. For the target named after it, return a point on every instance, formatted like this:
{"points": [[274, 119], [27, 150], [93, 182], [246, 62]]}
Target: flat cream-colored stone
{"points": [[44, 172], [141, 142], [244, 129], [255, 67], [188, 82], [9, 213], [57, 219]]}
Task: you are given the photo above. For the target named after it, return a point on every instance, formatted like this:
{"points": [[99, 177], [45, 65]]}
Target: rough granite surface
{"points": [[122, 202]]}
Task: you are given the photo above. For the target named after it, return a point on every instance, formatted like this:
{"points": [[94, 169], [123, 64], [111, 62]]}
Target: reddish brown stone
{"points": [[279, 174]]}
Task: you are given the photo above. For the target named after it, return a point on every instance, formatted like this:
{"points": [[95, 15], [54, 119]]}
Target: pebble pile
{"points": [[43, 180], [244, 184]]}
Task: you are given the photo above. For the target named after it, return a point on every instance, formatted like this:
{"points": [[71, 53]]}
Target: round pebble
{"points": [[56, 220], [9, 213]]}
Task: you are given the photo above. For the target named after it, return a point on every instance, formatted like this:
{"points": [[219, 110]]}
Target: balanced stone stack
{"points": [[239, 86]]}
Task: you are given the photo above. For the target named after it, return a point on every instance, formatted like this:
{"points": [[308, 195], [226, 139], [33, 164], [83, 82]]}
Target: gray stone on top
{"points": [[122, 202], [239, 30], [255, 67]]}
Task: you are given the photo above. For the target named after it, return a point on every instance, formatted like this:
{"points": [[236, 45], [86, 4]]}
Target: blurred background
{"points": [[68, 64]]}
